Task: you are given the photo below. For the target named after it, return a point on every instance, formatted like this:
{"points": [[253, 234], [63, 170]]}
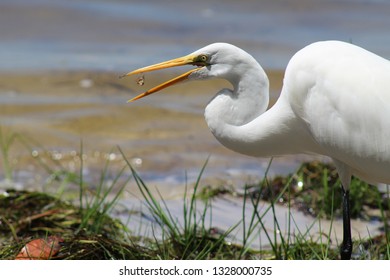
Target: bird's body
{"points": [[335, 102], [345, 103]]}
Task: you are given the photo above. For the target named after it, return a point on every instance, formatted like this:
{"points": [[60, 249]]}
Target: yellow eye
{"points": [[203, 58]]}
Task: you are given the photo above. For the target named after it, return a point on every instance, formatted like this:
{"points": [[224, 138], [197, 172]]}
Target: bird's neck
{"points": [[239, 120], [248, 99]]}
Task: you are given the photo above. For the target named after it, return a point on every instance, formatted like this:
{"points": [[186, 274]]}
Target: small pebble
{"points": [[141, 80]]}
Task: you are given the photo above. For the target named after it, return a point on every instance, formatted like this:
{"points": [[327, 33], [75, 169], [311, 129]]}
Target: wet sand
{"points": [[165, 135]]}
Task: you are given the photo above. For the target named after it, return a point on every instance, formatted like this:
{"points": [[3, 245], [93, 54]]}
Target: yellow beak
{"points": [[181, 61]]}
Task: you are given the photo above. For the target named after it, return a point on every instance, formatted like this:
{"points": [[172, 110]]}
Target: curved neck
{"points": [[248, 99], [239, 120]]}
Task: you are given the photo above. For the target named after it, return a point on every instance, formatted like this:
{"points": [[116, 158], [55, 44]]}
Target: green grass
{"points": [[89, 231], [315, 190], [6, 141], [192, 239]]}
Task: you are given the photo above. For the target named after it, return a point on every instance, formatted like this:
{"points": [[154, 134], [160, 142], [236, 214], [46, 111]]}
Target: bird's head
{"points": [[215, 60]]}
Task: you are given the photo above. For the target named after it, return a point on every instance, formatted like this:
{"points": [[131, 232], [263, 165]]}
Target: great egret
{"points": [[335, 101]]}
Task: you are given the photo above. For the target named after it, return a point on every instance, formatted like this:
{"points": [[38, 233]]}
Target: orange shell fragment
{"points": [[40, 249]]}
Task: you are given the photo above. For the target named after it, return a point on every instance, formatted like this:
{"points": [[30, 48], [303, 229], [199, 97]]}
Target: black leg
{"points": [[346, 246]]}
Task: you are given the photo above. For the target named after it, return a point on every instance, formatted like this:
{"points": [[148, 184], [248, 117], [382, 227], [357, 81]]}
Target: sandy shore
{"points": [[165, 135]]}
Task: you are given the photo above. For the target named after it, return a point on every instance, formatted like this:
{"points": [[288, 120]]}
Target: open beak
{"points": [[181, 61]]}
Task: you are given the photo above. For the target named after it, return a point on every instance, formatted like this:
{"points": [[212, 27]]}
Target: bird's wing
{"points": [[343, 95]]}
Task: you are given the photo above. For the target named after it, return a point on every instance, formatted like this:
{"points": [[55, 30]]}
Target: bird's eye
{"points": [[203, 58]]}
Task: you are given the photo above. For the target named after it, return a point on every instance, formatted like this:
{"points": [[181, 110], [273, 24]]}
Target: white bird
{"points": [[335, 102]]}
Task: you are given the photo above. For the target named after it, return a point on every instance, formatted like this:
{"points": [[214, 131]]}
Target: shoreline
{"points": [[166, 135]]}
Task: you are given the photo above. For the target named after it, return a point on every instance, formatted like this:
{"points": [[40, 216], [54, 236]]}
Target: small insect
{"points": [[141, 80]]}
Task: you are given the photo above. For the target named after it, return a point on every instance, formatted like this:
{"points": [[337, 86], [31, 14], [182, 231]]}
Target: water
{"points": [[228, 211], [120, 35]]}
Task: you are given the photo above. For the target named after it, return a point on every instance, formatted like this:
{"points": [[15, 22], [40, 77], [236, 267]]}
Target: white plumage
{"points": [[335, 101]]}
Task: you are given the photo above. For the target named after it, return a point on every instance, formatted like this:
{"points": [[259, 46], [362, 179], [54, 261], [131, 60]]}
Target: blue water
{"points": [[120, 35]]}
